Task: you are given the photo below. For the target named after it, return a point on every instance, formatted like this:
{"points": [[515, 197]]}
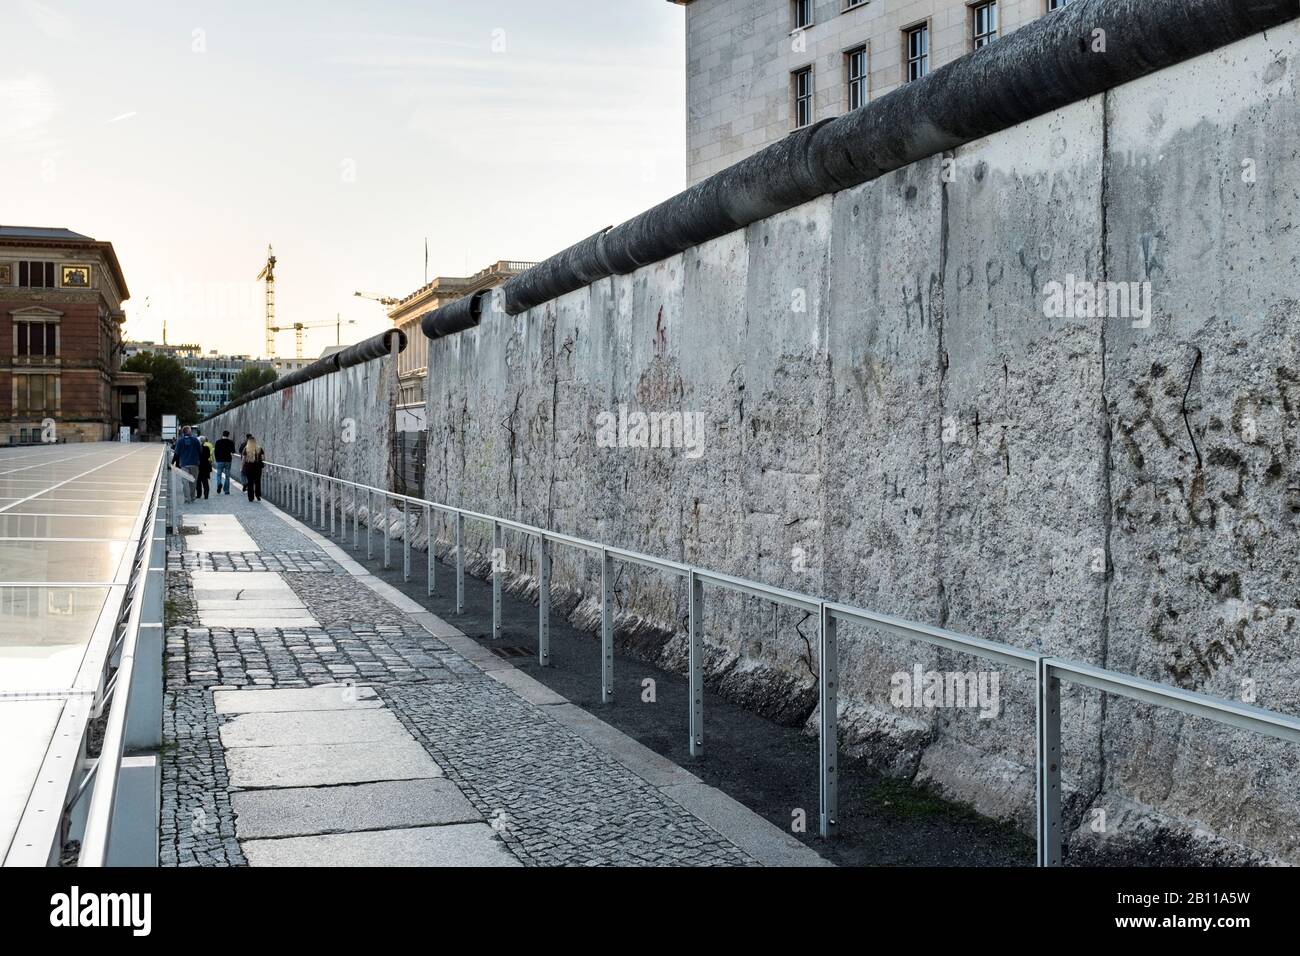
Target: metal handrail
{"points": [[106, 769], [307, 492]]}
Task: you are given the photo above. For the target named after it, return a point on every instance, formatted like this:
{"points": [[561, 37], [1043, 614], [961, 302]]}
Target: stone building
{"points": [[405, 314], [757, 69], [61, 296]]}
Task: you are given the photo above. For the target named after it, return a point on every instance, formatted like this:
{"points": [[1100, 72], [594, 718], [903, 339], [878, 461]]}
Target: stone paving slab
{"points": [[388, 805], [468, 844], [247, 580], [315, 765], [244, 604], [242, 595], [218, 532], [258, 618], [312, 727], [329, 697]]}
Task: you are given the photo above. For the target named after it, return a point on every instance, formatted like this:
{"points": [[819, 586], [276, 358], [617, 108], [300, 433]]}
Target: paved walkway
{"points": [[316, 716]]}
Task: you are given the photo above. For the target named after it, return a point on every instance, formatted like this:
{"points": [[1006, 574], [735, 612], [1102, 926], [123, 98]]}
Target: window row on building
{"points": [[44, 274], [915, 42]]}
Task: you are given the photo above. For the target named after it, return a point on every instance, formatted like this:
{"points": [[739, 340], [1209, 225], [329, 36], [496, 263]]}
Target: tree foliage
{"points": [[170, 390], [249, 378]]}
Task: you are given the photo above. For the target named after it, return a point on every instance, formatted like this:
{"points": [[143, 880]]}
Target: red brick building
{"points": [[61, 296]]}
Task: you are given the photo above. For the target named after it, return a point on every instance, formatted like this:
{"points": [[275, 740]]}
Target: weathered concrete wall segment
{"points": [[339, 424], [890, 418]]}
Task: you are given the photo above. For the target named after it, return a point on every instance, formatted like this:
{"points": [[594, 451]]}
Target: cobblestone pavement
{"points": [[180, 609], [300, 657], [554, 799], [341, 599], [290, 561], [197, 824]]}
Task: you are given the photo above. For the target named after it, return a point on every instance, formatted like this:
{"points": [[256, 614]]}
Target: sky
{"points": [[192, 134]]}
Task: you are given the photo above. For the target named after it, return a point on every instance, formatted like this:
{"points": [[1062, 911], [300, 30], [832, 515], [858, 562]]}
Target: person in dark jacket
{"points": [[188, 452], [202, 487], [222, 454]]}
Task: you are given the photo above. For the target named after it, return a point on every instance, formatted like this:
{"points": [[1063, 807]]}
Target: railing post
{"points": [[695, 662], [322, 485], [1048, 749], [606, 627], [370, 523], [828, 737], [431, 561], [383, 531], [498, 562], [406, 540], [334, 501], [460, 563], [544, 603], [356, 517]]}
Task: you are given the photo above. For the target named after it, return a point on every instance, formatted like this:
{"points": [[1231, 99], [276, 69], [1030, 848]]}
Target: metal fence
{"points": [[322, 498]]}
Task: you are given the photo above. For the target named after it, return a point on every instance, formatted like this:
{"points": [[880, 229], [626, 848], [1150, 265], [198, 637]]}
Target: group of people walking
{"points": [[199, 457]]}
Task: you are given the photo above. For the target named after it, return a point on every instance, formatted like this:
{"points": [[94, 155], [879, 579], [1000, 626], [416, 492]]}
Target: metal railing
{"points": [[316, 497]]}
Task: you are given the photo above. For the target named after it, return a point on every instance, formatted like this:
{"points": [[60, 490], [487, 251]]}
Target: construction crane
{"points": [[268, 273], [299, 327], [384, 300]]}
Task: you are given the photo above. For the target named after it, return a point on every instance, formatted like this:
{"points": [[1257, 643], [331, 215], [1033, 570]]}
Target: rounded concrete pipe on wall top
{"points": [[1083, 49], [460, 315]]}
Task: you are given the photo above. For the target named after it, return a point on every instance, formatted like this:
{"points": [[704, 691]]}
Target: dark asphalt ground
{"points": [[770, 768]]}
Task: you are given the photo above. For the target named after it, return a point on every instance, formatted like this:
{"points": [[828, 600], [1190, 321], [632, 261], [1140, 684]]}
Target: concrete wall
{"points": [[892, 420], [740, 53], [338, 424]]}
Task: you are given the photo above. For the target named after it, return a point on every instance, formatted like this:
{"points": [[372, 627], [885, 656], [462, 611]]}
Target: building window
{"points": [[801, 13], [918, 51], [1055, 4], [802, 82], [36, 275], [36, 394], [39, 339], [855, 68], [850, 4], [984, 23]]}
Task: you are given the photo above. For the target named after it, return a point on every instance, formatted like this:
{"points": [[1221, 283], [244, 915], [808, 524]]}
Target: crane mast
{"points": [[268, 273]]}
